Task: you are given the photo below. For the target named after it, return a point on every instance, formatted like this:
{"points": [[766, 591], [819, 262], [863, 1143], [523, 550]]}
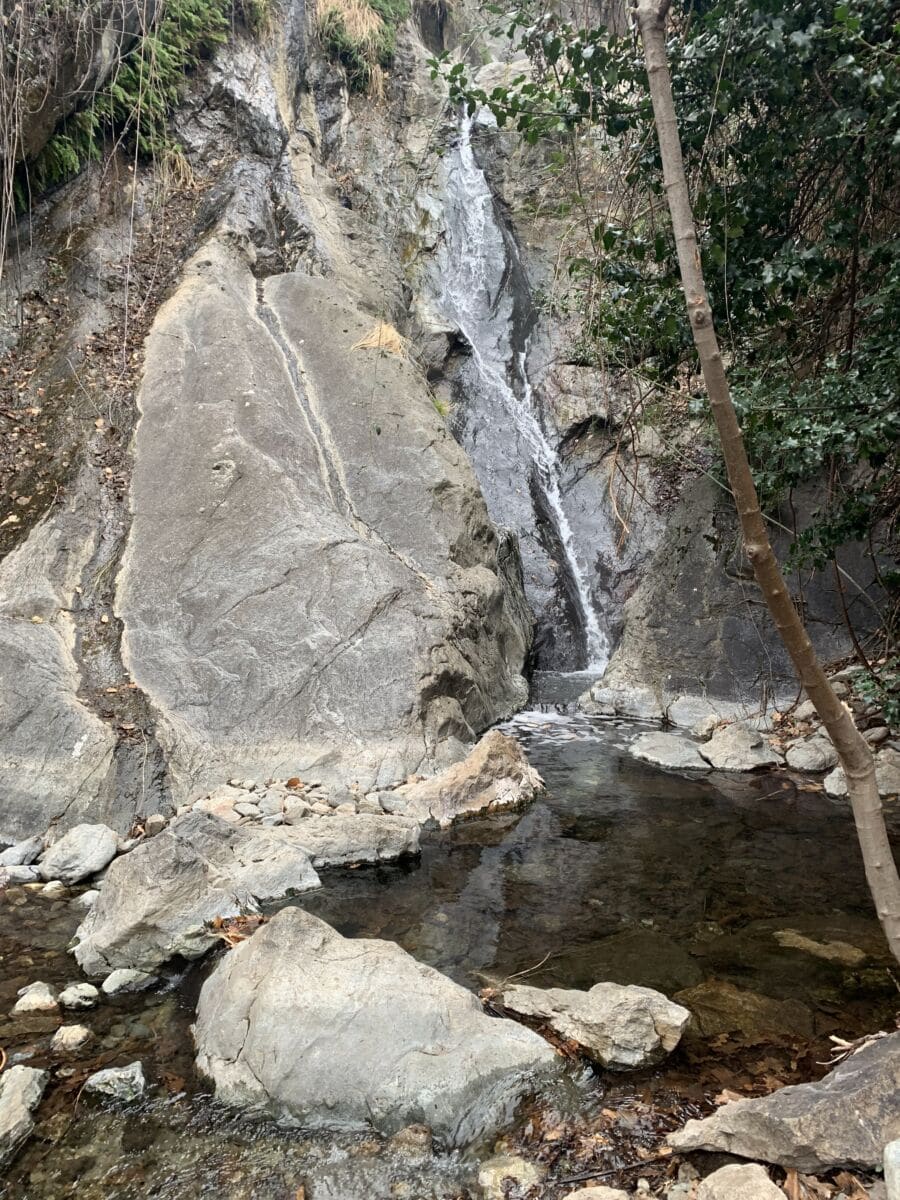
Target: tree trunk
{"points": [[853, 751]]}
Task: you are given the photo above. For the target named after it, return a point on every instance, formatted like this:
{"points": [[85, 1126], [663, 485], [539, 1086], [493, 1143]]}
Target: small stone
{"points": [[272, 803], [37, 997], [79, 995], [874, 736], [412, 1140], [295, 809], [87, 899], [80, 853], [54, 890], [17, 876], [812, 754], [346, 808], [892, 1169], [321, 810], [22, 854], [126, 979], [69, 1038], [739, 1181], [805, 711], [120, 1083], [598, 1193], [182, 809], [493, 1173], [246, 809], [154, 824], [369, 806], [392, 802], [272, 820]]}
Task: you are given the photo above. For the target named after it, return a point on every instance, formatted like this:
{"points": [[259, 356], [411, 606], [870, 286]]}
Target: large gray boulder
{"points": [[158, 900], [303, 1024], [620, 1027], [343, 838], [80, 853], [669, 750], [21, 1089], [842, 1120], [495, 775], [311, 584], [739, 748]]}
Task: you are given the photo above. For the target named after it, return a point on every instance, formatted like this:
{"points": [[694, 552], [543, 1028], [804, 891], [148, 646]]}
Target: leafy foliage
{"points": [[790, 120]]}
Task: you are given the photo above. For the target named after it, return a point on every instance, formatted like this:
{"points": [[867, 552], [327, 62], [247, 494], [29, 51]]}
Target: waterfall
{"points": [[483, 287]]}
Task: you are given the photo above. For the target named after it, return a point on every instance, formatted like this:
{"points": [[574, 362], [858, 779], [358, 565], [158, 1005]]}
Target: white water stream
{"points": [[476, 271]]}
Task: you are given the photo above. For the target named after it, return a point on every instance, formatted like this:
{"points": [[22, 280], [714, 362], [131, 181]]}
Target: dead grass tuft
{"points": [[384, 337], [362, 24]]}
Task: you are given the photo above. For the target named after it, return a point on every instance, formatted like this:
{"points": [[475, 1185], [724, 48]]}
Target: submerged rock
{"points": [[844, 1119], [494, 1173], [668, 750], [158, 900], [80, 853], [21, 1089], [739, 1181], [495, 775], [36, 997], [119, 1083], [739, 748], [620, 1027], [719, 1007], [304, 1024]]}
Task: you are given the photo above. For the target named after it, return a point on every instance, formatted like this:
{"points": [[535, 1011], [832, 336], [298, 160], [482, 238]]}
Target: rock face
{"points": [[157, 900], [21, 1089], [738, 748], [304, 1024], [80, 853], [739, 1182], [668, 750], [330, 631], [843, 1120], [495, 775], [620, 1027]]}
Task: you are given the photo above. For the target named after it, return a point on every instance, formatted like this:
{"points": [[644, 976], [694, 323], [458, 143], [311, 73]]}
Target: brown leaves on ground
{"points": [[233, 930]]}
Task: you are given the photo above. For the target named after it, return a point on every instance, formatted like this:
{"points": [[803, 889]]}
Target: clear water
{"points": [[619, 871], [518, 454]]}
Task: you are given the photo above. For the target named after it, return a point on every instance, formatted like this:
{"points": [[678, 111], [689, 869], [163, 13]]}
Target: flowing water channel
{"points": [[485, 293], [619, 871]]}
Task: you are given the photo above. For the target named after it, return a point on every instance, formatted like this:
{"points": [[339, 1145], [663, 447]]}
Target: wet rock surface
{"points": [[669, 750], [423, 1051], [806, 1127], [622, 1028], [21, 1089], [158, 900]]}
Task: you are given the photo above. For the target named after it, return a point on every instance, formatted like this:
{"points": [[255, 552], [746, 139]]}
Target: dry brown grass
{"points": [[384, 337], [362, 24]]}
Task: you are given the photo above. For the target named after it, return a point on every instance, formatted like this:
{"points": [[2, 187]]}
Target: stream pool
{"points": [[619, 872]]}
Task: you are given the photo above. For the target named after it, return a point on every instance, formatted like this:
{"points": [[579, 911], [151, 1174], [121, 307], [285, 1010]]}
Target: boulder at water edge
{"points": [[844, 1119], [21, 1089], [620, 1027], [158, 900], [306, 1025], [495, 775], [80, 853], [739, 748]]}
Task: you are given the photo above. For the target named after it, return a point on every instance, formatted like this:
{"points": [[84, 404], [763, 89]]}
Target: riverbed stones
{"points": [[118, 1083], [79, 996], [620, 1027], [887, 773], [739, 1181], [158, 900], [739, 748], [303, 1024], [495, 1175], [36, 997], [495, 775], [668, 750], [844, 1119], [718, 1007], [811, 754], [21, 1089], [70, 1038], [127, 979], [23, 853], [17, 876], [80, 853]]}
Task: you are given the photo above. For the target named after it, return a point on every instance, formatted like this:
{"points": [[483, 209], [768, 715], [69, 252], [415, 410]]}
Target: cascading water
{"points": [[483, 292]]}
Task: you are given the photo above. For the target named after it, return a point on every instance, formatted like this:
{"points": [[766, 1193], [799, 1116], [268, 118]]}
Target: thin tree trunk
{"points": [[853, 751]]}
